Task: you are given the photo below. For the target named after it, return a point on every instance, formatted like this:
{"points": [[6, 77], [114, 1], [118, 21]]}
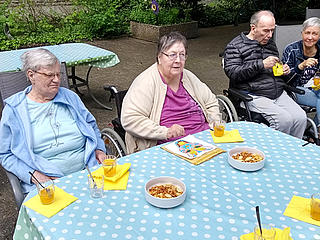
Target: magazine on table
{"points": [[189, 147]]}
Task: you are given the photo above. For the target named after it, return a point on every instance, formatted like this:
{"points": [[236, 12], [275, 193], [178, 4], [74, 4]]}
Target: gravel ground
{"points": [[135, 56]]}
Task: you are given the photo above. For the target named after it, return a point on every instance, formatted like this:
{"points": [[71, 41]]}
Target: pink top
{"points": [[180, 108]]}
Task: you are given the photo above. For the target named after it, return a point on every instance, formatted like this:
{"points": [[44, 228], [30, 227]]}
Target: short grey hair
{"points": [[168, 40], [311, 22], [38, 58], [255, 18]]}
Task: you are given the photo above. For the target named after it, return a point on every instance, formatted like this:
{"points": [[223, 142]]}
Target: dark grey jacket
{"points": [[243, 64]]}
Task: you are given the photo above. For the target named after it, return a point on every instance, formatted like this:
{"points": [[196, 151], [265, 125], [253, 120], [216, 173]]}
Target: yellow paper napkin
{"points": [[280, 235], [117, 182], [121, 184], [228, 137], [61, 200], [299, 208], [121, 170]]}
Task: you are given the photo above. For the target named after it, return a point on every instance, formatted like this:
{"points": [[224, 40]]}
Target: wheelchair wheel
{"points": [[311, 132], [229, 113], [114, 143]]}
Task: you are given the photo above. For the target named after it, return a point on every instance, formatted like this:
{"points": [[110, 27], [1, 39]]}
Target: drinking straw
{"points": [[36, 179], [94, 183], [258, 218]]}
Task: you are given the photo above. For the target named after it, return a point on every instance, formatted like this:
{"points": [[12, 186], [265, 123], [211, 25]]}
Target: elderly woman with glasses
{"points": [[166, 101], [303, 59], [46, 129]]}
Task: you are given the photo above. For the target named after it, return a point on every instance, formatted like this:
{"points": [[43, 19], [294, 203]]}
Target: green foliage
{"points": [[31, 24], [170, 12]]}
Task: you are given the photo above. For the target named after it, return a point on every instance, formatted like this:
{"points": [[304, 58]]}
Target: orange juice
{"points": [[46, 195], [315, 208], [316, 80], [109, 167], [267, 234], [218, 130]]}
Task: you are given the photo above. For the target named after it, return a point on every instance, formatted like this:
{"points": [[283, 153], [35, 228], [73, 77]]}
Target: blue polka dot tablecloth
{"points": [[220, 201], [73, 54]]}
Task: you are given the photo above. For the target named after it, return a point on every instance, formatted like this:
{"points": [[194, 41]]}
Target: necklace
{"points": [[55, 125]]}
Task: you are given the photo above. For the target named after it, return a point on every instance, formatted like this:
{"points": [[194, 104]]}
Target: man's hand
{"points": [[286, 69], [175, 131], [270, 61], [41, 177], [308, 63], [100, 156]]}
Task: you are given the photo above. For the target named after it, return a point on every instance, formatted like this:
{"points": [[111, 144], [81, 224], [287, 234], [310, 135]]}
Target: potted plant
{"points": [[152, 19]]}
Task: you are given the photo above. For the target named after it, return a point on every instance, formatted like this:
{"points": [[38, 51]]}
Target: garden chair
{"points": [[312, 12], [286, 34], [283, 36]]}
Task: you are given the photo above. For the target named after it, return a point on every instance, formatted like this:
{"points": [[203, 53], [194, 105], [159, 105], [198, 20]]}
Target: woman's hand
{"points": [[308, 63], [175, 131], [100, 156], [41, 177]]}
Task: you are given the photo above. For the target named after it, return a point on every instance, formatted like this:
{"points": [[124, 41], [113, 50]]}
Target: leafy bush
{"points": [[170, 12], [31, 24]]}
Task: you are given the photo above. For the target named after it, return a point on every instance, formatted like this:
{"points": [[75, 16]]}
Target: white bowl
{"points": [[165, 202], [245, 166]]}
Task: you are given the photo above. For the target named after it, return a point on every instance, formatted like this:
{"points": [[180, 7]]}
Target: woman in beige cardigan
{"points": [[166, 102]]}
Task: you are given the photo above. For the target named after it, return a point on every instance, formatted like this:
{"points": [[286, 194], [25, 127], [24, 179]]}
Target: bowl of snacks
{"points": [[246, 158], [165, 192]]}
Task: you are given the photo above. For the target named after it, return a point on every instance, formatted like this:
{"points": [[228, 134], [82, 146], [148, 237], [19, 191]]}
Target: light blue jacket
{"points": [[16, 146]]}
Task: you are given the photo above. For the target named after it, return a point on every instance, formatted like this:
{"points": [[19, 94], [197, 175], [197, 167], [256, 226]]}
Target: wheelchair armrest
{"points": [[294, 89], [237, 93]]}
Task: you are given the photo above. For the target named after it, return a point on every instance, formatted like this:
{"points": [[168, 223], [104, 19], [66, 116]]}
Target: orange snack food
{"points": [[165, 191]]}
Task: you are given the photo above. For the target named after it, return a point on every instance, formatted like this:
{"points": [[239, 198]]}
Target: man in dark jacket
{"points": [[248, 62]]}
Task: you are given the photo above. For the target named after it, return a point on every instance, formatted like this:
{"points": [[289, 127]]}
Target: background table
{"points": [[220, 201], [73, 54]]}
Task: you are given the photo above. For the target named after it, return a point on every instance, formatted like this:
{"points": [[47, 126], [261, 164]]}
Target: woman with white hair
{"points": [[303, 59], [46, 129]]}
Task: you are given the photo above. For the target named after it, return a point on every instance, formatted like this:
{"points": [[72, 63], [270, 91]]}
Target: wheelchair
{"points": [[240, 100], [114, 136], [228, 111]]}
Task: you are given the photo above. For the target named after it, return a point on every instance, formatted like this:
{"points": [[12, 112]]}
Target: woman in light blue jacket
{"points": [[46, 129]]}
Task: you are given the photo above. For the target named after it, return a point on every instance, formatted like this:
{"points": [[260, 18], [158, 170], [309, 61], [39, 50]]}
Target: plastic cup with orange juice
{"points": [[110, 166], [316, 79], [46, 192], [218, 128], [315, 206]]}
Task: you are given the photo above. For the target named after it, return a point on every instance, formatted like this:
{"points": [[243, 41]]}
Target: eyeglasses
{"points": [[174, 56], [51, 75]]}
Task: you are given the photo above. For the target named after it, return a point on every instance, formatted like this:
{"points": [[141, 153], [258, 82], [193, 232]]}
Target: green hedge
{"points": [[32, 25]]}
